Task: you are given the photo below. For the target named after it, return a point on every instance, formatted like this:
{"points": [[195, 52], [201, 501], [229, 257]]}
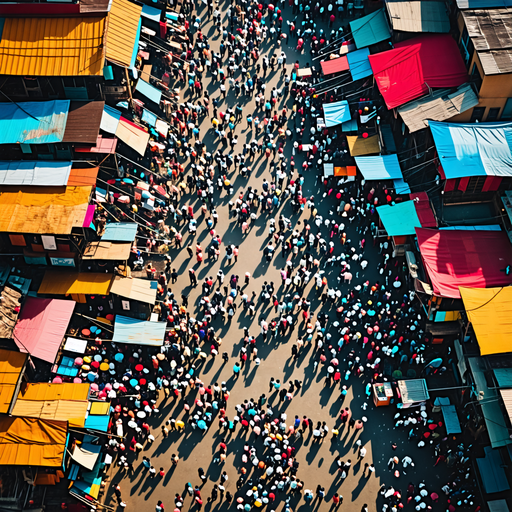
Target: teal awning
{"points": [[370, 29], [400, 219], [492, 473]]}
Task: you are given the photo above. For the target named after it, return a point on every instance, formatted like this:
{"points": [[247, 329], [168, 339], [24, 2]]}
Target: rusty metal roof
{"points": [[84, 119], [52, 46]]}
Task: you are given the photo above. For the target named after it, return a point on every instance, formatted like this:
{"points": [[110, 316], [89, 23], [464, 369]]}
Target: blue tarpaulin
{"points": [[131, 330], [110, 119], [370, 29], [336, 113], [42, 122], [400, 219], [120, 232], [451, 420], [401, 186], [136, 47], [384, 167], [149, 117], [149, 91], [359, 64], [349, 126], [476, 149], [151, 13], [97, 422]]}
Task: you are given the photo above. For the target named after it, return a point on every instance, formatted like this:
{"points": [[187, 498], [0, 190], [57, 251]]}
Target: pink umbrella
{"points": [[57, 380]]}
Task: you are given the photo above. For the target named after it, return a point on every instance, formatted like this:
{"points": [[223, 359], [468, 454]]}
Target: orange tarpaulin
{"points": [[350, 170], [32, 442], [11, 366]]}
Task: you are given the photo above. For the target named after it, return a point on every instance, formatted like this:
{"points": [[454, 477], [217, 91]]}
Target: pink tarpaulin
{"points": [[472, 259], [42, 326], [414, 66], [424, 210], [89, 215], [334, 65]]}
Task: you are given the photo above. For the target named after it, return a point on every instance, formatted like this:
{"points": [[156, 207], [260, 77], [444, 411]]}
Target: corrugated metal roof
{"points": [[41, 122], [35, 173], [506, 394], [438, 106], [491, 33], [503, 377], [122, 31], [43, 211], [84, 119], [498, 506], [94, 6], [414, 390], [451, 420], [418, 16], [52, 46]]}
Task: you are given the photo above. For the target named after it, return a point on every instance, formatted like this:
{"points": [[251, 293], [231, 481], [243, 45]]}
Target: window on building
{"points": [[476, 78], [507, 110], [478, 114], [466, 46], [493, 114]]}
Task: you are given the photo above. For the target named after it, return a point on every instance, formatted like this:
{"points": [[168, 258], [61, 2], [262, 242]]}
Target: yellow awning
{"points": [[52, 210], [122, 28], [490, 312], [61, 402], [359, 146], [107, 251], [71, 283], [52, 46], [11, 366], [32, 442]]}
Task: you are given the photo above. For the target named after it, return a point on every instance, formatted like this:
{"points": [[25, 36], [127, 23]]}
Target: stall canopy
{"points": [[451, 420], [492, 472], [360, 146], [424, 210], [110, 119], [107, 251], [494, 421], [12, 365], [359, 64], [32, 442], [86, 455], [336, 113], [133, 135], [151, 13], [42, 325], [476, 149], [131, 330], [42, 122], [438, 106], [142, 290], [413, 67], [418, 16], [384, 167], [61, 402], [152, 93], [490, 312], [400, 219], [43, 210], [334, 65], [35, 173], [413, 391], [120, 232], [10, 307], [472, 259], [370, 29], [75, 283]]}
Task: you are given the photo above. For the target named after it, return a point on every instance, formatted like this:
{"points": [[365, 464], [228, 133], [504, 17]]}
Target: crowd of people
{"points": [[319, 249]]}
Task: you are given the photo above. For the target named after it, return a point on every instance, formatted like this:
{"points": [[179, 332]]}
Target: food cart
{"points": [[382, 393]]}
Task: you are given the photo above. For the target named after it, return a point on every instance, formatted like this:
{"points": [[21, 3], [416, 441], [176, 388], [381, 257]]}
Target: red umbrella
{"points": [[139, 367]]}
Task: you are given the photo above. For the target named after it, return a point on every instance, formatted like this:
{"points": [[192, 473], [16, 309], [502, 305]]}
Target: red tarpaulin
{"points": [[412, 67], [42, 326], [334, 65], [423, 209], [472, 259]]}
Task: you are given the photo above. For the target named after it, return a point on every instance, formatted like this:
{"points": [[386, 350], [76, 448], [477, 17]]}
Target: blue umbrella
{"points": [[436, 363], [91, 376], [119, 357], [145, 194], [128, 180], [133, 382], [201, 424], [370, 312]]}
